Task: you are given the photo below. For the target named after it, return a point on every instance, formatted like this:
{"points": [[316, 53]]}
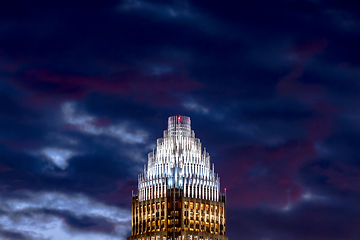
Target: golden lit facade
{"points": [[179, 193]]}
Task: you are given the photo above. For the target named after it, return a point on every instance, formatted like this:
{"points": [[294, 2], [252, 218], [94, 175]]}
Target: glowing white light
{"points": [[287, 208], [179, 161], [58, 156], [307, 196]]}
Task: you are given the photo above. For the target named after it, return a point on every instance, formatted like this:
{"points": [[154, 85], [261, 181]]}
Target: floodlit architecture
{"points": [[178, 194]]}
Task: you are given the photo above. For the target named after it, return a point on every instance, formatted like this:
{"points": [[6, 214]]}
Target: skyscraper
{"points": [[179, 192]]}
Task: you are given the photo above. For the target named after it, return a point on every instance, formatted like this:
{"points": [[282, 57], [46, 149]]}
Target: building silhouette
{"points": [[178, 194]]}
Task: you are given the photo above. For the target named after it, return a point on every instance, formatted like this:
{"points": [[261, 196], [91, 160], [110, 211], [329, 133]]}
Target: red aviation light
{"points": [[179, 118]]}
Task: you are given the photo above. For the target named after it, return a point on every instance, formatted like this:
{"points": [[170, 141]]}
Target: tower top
{"points": [[179, 162], [179, 126]]}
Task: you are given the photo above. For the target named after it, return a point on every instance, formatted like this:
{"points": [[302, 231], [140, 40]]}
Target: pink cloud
{"points": [[289, 86], [117, 195], [101, 122], [307, 50], [260, 175], [342, 176], [46, 87], [9, 65], [4, 168], [16, 144]]}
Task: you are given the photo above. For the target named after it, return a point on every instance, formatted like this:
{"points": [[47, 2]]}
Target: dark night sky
{"points": [[272, 89]]}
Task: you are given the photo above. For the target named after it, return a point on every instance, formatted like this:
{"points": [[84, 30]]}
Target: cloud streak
{"points": [[56, 215]]}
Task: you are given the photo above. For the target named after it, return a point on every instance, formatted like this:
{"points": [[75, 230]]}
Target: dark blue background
{"points": [[272, 89]]}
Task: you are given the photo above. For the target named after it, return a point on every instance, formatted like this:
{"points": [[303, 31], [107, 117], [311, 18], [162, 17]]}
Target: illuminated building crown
{"points": [[179, 162]]}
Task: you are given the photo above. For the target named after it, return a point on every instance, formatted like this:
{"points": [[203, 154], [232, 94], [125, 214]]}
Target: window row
{"points": [[148, 207], [203, 206], [152, 207]]}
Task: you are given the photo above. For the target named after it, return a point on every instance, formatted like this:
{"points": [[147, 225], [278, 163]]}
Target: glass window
{"points": [[212, 208], [221, 210], [202, 206], [207, 207], [186, 204], [197, 206], [191, 205]]}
